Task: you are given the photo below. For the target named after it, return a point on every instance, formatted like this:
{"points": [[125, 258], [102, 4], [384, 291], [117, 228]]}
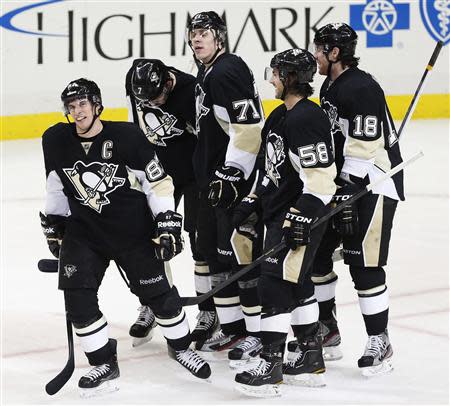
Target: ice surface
{"points": [[33, 327]]}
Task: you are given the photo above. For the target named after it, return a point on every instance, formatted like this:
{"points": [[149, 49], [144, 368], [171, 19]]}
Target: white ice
{"points": [[33, 327]]}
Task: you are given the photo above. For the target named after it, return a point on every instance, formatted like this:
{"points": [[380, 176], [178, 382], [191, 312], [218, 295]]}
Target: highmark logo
{"points": [[436, 18], [379, 18]]}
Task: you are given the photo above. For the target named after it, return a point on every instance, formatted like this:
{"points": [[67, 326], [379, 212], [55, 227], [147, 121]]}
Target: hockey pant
{"points": [[285, 287], [80, 275], [366, 253], [237, 305]]}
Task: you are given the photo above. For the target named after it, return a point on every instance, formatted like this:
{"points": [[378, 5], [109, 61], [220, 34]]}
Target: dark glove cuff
{"points": [[309, 205]]}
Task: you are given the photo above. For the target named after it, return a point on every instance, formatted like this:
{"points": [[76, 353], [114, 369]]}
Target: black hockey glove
{"points": [[53, 228], [346, 221], [245, 217], [168, 235], [296, 228], [224, 187]]}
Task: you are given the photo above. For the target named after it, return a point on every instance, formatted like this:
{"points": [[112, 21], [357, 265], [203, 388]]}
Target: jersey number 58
{"points": [[311, 154]]}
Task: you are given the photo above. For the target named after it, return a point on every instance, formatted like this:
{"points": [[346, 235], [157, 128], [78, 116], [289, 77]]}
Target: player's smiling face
{"points": [[204, 43], [276, 83], [82, 112], [321, 58]]}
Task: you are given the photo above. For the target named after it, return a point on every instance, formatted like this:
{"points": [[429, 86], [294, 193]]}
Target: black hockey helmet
{"points": [[339, 35], [208, 20], [295, 60], [81, 89], [148, 79]]}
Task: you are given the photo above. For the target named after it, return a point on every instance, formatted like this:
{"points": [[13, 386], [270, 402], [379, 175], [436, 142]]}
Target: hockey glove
{"points": [[53, 228], [245, 217], [224, 187], [346, 221], [296, 228], [168, 235]]}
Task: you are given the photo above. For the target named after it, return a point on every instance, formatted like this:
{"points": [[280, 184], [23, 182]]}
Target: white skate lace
{"points": [[217, 336], [261, 368], [190, 359], [249, 343], [293, 361], [206, 320], [145, 317], [97, 372], [375, 346]]}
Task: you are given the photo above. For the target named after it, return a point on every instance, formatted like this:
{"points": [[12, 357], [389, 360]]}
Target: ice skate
{"points": [[218, 342], [142, 329], [377, 357], [244, 353], [207, 325], [331, 340], [190, 360], [307, 367], [263, 380], [101, 379]]}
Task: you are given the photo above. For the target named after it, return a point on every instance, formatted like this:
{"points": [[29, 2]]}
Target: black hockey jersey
{"points": [[229, 118], [169, 127], [365, 139], [299, 162], [111, 191]]}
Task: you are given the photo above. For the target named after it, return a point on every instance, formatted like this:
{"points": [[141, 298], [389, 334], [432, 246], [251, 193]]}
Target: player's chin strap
{"points": [[198, 62], [93, 119]]}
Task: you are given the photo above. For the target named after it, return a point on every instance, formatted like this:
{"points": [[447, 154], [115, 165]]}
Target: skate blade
{"points": [[306, 380], [263, 391], [332, 353], [104, 388], [384, 368], [138, 341], [242, 365], [213, 356]]}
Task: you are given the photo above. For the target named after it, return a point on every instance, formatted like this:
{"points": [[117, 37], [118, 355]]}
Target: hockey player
{"points": [[366, 146], [229, 121], [108, 198], [298, 188], [161, 101]]}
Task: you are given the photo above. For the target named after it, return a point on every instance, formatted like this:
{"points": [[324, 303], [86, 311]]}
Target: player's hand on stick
{"points": [[224, 187], [53, 227], [169, 240], [296, 228], [346, 221]]}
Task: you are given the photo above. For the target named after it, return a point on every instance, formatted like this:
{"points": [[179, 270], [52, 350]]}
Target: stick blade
{"points": [[55, 385], [48, 265]]}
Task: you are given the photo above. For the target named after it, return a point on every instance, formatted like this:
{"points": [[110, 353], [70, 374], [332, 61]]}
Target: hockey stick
{"points": [[61, 379], [195, 300], [415, 99]]}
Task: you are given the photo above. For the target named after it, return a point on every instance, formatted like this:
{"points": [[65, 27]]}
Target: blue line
{"points": [[5, 20]]}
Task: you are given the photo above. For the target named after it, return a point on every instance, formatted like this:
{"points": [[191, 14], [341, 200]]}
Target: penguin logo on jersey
{"points": [[332, 114], [200, 109], [158, 125], [94, 182], [275, 156]]}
